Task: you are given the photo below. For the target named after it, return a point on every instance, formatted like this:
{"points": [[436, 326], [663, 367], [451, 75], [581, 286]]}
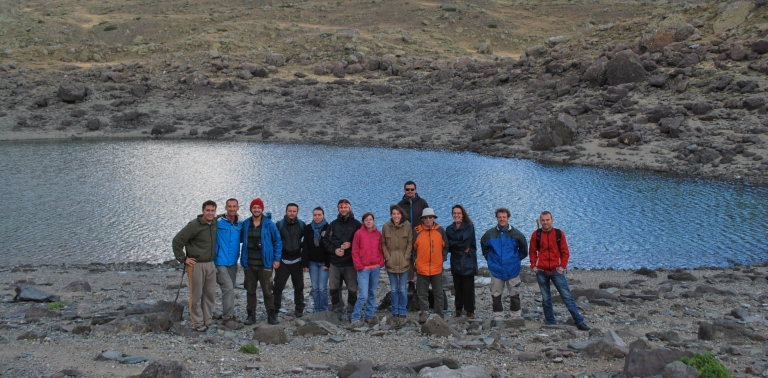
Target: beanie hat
{"points": [[259, 202]]}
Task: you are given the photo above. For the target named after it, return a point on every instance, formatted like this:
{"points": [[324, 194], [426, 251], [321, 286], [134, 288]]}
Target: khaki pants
{"points": [[254, 276], [497, 286], [202, 291], [226, 276]]}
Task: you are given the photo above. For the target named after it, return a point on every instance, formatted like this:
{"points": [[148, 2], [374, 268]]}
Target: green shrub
{"points": [[707, 366], [493, 26], [55, 305], [249, 349], [110, 28], [449, 9]]}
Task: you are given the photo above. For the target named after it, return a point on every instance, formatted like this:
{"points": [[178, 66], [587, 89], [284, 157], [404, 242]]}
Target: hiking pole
{"points": [[183, 269]]}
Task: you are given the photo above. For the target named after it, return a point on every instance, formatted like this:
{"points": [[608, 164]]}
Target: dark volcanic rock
{"points": [[26, 293], [659, 81], [36, 312], [727, 330], [545, 139], [72, 92], [270, 334], [165, 369], [93, 124], [753, 103], [625, 67], [436, 326], [79, 286], [760, 46], [647, 363], [595, 73], [565, 127]]}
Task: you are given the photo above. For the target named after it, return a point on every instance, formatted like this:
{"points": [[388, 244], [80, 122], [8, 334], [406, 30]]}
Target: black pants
{"points": [[465, 292], [296, 272]]}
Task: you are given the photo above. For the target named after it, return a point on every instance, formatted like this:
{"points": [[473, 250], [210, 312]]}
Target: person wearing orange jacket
{"points": [[430, 248]]}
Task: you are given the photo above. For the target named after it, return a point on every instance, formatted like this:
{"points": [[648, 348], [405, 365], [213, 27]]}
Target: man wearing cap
{"points": [[195, 247], [430, 248], [260, 253], [503, 248], [338, 243], [228, 238]]}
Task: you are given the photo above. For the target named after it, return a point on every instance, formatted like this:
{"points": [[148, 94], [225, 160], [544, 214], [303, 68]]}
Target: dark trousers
{"points": [[465, 292], [254, 276], [422, 289], [296, 272], [349, 275]]}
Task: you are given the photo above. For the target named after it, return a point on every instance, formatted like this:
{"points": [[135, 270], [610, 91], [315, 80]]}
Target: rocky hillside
{"points": [[672, 87]]}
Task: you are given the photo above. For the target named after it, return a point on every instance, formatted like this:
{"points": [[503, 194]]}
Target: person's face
{"points": [[368, 222], [291, 212], [546, 222], [256, 210], [457, 215], [428, 221], [502, 218], [344, 209], [396, 216], [410, 191], [232, 208], [209, 212], [317, 216]]}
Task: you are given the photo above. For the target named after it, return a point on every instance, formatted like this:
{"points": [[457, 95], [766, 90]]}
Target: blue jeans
{"points": [[319, 278], [561, 284], [398, 282], [367, 282]]}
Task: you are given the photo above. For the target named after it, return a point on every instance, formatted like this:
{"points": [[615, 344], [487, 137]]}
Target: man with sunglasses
{"points": [[414, 206]]}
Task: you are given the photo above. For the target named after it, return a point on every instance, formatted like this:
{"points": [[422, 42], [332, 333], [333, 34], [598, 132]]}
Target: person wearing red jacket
{"points": [[368, 258], [549, 259]]}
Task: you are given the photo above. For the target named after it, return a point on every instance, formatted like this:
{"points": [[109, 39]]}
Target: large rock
{"points": [[678, 369], [565, 127], [436, 326], [625, 67], [732, 16], [78, 286], [469, 371], [165, 369], [36, 312], [433, 363], [361, 368], [277, 60], [545, 139], [665, 29], [610, 347], [72, 92], [647, 363], [318, 327], [595, 73], [27, 293], [727, 330], [270, 334]]}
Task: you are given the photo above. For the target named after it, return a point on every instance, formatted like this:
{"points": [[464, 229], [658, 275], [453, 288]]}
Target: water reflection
{"points": [[124, 200]]}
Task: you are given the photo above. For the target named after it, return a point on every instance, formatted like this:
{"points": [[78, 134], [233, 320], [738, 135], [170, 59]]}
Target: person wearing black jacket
{"points": [[338, 244], [462, 246], [291, 230], [414, 206], [315, 259]]}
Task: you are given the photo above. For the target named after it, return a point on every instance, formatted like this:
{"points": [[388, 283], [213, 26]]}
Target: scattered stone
{"points": [[78, 286], [26, 293], [436, 326], [72, 92], [108, 355], [319, 327], [165, 369], [36, 312], [646, 363], [32, 335], [270, 334], [678, 369]]}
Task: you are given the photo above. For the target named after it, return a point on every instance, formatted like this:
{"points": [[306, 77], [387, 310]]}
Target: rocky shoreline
{"points": [[113, 321], [687, 96]]}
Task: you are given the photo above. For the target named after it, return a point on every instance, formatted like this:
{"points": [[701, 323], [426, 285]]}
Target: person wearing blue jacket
{"points": [[503, 248], [228, 238], [260, 254]]}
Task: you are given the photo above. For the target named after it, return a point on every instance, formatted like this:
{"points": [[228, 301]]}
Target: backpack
{"points": [[558, 237]]}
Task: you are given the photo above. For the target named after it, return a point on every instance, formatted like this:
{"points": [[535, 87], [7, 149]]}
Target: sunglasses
{"points": [[410, 189]]}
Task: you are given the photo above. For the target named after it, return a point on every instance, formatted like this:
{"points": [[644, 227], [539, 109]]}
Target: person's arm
{"points": [[244, 245], [277, 245], [409, 246], [565, 253], [484, 246], [384, 248], [179, 241], [332, 242], [441, 230], [309, 237], [472, 247], [356, 251]]}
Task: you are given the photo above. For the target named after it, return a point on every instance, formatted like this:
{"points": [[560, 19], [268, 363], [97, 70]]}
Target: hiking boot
{"points": [[583, 327], [298, 313], [498, 316], [356, 324], [423, 317], [272, 317], [251, 318], [471, 315], [232, 324], [371, 321], [458, 313]]}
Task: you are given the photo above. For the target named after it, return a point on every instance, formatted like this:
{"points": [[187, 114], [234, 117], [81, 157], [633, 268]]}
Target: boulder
{"points": [[595, 73], [753, 103], [482, 134], [678, 369], [659, 81], [433, 363], [318, 327], [536, 51], [664, 30], [545, 139], [165, 369], [732, 16], [36, 312], [25, 293], [436, 326], [760, 46], [646, 363], [93, 124], [625, 67], [469, 371], [270, 334], [363, 366], [277, 60], [72, 92], [682, 276], [565, 127], [610, 347], [727, 330], [78, 286]]}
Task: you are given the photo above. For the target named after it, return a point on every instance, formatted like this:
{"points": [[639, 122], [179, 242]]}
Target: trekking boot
{"points": [[471, 315], [423, 317], [298, 313], [251, 318], [458, 313], [272, 317], [497, 307], [582, 327]]}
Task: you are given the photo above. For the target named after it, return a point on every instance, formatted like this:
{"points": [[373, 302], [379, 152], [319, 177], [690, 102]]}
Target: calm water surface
{"points": [[118, 201]]}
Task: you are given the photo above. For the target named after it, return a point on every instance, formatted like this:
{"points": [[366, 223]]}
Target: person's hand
{"points": [[339, 252], [535, 269], [190, 261], [466, 250], [275, 264], [560, 270], [345, 245], [306, 270], [325, 268]]}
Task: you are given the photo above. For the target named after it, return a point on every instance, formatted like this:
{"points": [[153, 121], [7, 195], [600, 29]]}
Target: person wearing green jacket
{"points": [[195, 247]]}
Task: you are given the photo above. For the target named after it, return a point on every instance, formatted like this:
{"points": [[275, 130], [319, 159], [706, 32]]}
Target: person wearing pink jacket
{"points": [[368, 258]]}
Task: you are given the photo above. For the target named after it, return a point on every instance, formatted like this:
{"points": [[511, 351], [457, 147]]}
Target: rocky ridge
{"points": [[114, 322]]}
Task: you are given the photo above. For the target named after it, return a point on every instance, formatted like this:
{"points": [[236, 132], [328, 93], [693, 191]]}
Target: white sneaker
{"points": [[498, 316], [516, 314]]}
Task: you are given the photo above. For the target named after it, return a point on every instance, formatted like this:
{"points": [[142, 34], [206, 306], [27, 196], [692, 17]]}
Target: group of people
{"points": [[410, 245]]}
